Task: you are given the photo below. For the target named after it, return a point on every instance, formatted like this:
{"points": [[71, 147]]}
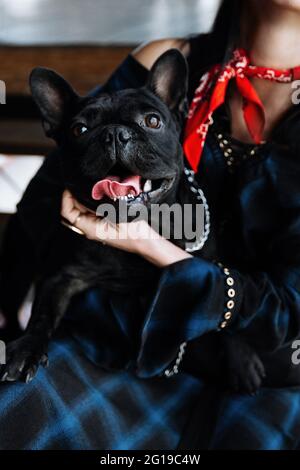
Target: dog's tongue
{"points": [[113, 186]]}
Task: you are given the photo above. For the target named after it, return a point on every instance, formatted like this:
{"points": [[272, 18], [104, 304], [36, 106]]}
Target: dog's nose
{"points": [[123, 135], [115, 135], [108, 136]]}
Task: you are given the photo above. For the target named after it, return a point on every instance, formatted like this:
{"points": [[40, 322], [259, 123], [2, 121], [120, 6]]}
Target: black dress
{"points": [[79, 402]]}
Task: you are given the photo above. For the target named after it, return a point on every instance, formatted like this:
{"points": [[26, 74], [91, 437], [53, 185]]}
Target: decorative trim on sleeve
{"points": [[230, 297], [199, 243], [175, 368], [227, 316]]}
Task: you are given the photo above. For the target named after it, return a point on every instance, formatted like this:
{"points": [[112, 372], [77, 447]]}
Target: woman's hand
{"points": [[135, 237]]}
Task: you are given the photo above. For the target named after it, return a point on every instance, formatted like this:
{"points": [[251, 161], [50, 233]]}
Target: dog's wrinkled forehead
{"points": [[164, 91], [122, 107]]}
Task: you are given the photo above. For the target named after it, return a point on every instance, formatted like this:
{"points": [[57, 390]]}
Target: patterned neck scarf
{"points": [[211, 94]]}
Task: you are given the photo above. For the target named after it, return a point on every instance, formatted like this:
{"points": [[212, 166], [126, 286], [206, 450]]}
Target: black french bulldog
{"points": [[122, 145]]}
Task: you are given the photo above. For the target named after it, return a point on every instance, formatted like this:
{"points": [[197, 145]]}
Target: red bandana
{"points": [[211, 94]]}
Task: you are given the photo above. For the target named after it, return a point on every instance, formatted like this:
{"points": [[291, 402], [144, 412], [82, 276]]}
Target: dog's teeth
{"points": [[124, 198], [147, 186]]}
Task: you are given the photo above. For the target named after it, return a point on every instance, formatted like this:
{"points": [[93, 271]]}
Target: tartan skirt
{"points": [[77, 404]]}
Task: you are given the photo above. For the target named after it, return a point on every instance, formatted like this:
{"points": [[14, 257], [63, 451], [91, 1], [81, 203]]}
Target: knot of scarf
{"points": [[211, 94]]}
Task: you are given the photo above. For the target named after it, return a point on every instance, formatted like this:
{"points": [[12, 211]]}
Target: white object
{"points": [[16, 171]]}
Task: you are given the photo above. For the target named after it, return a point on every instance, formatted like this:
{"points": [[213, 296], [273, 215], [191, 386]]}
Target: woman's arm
{"points": [[133, 71], [146, 54]]}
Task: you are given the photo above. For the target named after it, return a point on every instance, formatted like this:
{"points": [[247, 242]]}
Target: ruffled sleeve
{"points": [[193, 297]]}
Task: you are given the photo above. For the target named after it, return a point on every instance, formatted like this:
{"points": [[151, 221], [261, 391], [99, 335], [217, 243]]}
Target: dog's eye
{"points": [[152, 121], [79, 129]]}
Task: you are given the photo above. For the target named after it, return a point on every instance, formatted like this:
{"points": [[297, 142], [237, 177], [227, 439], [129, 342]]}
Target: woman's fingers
{"points": [[79, 216], [82, 208], [68, 208], [71, 207], [87, 223]]}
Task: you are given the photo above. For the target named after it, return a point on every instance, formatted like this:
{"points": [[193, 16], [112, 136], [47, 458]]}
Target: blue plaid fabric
{"points": [[269, 421], [85, 401], [74, 404]]}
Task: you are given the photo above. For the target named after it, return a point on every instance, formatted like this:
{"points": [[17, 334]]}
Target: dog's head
{"points": [[119, 145]]}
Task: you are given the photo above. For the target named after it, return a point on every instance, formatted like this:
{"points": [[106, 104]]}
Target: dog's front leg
{"points": [[24, 355]]}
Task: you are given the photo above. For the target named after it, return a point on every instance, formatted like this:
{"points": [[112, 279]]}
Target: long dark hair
{"points": [[217, 45], [226, 28]]}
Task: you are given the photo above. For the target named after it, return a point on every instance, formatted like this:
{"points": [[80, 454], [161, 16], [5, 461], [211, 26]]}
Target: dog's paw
{"points": [[23, 358], [246, 371]]}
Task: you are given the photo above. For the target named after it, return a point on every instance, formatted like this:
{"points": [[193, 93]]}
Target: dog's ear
{"points": [[168, 79], [53, 96]]}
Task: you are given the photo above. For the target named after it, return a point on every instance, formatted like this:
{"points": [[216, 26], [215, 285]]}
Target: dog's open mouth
{"points": [[132, 188]]}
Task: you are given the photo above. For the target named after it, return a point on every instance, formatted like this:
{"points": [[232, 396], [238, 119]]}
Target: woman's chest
{"points": [[249, 203]]}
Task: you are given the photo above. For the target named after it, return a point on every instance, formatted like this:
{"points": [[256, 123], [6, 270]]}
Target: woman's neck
{"points": [[272, 36]]}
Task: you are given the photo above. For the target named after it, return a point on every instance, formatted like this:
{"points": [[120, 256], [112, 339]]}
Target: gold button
{"points": [[221, 145], [226, 271], [220, 136], [230, 281], [223, 324], [226, 154], [230, 304], [231, 292], [228, 315], [225, 142]]}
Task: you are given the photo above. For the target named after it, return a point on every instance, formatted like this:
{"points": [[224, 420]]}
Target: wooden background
{"points": [[85, 67], [82, 40]]}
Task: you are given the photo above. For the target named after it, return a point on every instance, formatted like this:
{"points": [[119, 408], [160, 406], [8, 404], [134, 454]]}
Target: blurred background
{"points": [[84, 40], [27, 22]]}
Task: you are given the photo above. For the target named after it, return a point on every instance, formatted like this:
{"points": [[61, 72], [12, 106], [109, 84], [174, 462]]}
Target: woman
{"points": [[254, 198]]}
